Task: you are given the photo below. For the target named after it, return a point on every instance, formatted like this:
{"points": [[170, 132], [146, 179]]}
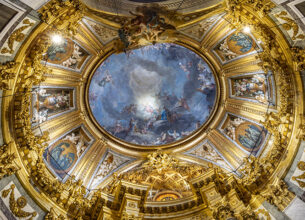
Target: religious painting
{"points": [[148, 25], [110, 162], [63, 155], [235, 45], [155, 95], [68, 55], [253, 87], [206, 151], [48, 102], [246, 134]]}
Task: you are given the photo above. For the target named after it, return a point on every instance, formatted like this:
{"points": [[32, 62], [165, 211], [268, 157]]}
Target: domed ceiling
{"points": [[162, 112], [125, 6], [154, 95]]}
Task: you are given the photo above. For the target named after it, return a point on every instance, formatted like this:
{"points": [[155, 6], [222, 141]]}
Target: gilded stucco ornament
{"points": [[279, 195], [7, 165], [299, 57], [63, 15], [257, 172], [224, 212], [17, 36], [7, 72], [17, 205], [235, 9], [300, 178], [53, 216]]}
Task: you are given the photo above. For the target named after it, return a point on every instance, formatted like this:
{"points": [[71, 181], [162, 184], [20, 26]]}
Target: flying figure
{"points": [[106, 79]]}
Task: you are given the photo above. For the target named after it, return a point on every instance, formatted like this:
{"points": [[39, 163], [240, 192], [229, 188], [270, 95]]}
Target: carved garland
{"points": [[16, 205]]}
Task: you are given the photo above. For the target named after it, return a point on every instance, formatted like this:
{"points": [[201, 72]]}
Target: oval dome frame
{"points": [[192, 139]]}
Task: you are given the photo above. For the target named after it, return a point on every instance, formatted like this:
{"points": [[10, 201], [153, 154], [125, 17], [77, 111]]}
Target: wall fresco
{"points": [[110, 163]]}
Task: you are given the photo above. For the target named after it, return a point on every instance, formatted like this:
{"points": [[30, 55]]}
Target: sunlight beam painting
{"points": [[154, 95]]}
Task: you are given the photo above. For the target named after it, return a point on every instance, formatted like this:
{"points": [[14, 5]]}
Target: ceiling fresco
{"points": [[248, 135], [152, 111], [67, 55], [49, 102], [256, 87], [63, 154], [236, 45], [152, 96], [208, 152]]}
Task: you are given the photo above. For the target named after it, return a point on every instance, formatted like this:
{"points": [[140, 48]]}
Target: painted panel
{"points": [[235, 45], [200, 29], [111, 162], [206, 151], [246, 134], [67, 55], [63, 154], [49, 102], [255, 87], [104, 33]]}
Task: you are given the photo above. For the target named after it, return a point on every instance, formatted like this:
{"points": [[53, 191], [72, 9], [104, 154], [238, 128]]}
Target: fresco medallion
{"points": [[154, 95], [241, 43], [61, 156]]}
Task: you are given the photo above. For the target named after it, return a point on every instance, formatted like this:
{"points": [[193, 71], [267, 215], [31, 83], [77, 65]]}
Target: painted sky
{"points": [[154, 95]]}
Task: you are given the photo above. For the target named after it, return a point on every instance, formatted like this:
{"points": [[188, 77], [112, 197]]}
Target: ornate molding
{"points": [[7, 72], [7, 164], [257, 172], [64, 15], [17, 205], [16, 36]]}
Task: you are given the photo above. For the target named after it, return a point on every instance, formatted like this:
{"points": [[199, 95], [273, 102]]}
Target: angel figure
{"points": [[106, 79]]}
